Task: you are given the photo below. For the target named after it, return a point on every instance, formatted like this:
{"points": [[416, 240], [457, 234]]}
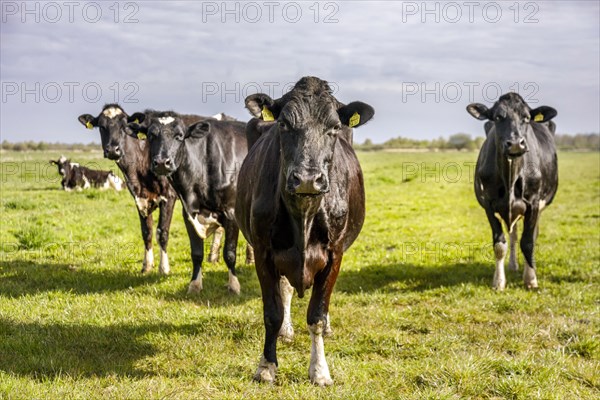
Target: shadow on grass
{"points": [[22, 278], [49, 350], [405, 277]]}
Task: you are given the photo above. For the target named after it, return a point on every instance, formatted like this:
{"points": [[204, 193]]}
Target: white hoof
{"points": [[164, 267], [513, 265], [499, 283], [529, 278], [148, 262], [322, 380], [286, 332], [195, 286], [266, 371], [233, 285]]}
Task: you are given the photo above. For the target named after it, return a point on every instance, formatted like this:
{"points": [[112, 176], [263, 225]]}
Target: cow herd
{"points": [[290, 181]]}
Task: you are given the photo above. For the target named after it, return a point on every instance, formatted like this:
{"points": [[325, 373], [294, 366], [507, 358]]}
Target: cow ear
{"points": [[478, 111], [262, 106], [89, 121], [543, 114], [136, 118], [198, 130], [355, 114]]}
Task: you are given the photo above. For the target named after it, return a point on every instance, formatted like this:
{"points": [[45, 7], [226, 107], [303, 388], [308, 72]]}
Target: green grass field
{"points": [[413, 313]]}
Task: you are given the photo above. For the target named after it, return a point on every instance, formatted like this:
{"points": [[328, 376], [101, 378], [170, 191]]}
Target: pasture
{"points": [[413, 312]]}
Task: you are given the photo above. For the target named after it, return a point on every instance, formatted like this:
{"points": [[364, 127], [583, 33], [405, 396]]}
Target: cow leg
{"points": [[286, 333], [146, 224], [213, 257], [273, 317], [499, 282], [513, 262], [528, 246], [162, 233], [197, 250], [229, 254], [317, 317], [249, 255]]}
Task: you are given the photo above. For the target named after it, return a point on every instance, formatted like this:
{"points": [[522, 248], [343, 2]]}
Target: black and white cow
{"points": [[74, 176], [516, 177], [300, 204], [202, 163]]}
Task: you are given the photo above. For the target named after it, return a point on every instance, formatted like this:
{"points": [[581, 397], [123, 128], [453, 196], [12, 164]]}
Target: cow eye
{"points": [[498, 118], [335, 130], [154, 131], [526, 120], [282, 125]]}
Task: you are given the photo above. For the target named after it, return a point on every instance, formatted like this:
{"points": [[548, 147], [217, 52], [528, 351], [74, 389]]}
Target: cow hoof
{"points": [[323, 380], [533, 285], [499, 285], [195, 287], [249, 261], [266, 371], [146, 268], [213, 259], [286, 333], [233, 285], [513, 266], [328, 332]]}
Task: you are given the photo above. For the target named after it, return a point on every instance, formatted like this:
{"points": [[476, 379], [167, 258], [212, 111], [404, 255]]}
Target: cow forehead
{"points": [[311, 109], [112, 112], [165, 120]]}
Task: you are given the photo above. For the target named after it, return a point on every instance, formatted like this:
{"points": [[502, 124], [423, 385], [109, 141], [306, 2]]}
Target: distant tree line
{"points": [[42, 146], [464, 141], [458, 141]]}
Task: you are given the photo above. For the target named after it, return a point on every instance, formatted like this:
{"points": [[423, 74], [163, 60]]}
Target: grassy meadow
{"points": [[413, 312]]}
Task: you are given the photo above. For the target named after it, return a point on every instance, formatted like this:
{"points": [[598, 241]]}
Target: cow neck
{"points": [[187, 182], [136, 156], [302, 212], [510, 168]]}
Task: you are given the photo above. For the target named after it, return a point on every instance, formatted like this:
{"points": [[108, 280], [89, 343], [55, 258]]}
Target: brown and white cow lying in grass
{"points": [[74, 176]]}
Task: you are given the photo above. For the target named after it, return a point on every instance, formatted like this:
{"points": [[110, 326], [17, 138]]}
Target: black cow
{"points": [[149, 191], [202, 163], [74, 176], [300, 204], [516, 177]]}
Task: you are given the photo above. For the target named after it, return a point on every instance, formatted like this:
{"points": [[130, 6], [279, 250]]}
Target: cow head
{"points": [[63, 164], [112, 123], [511, 119], [166, 133], [308, 121]]}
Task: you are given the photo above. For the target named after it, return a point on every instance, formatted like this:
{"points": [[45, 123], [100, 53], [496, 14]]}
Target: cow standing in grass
{"points": [[300, 204], [74, 176], [516, 177], [202, 163]]}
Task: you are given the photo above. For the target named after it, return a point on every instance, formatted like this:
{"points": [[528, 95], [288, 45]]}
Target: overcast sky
{"points": [[418, 64]]}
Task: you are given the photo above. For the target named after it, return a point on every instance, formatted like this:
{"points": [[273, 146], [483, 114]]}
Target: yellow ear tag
{"points": [[141, 136], [354, 120], [89, 125], [137, 121], [539, 117], [267, 115]]}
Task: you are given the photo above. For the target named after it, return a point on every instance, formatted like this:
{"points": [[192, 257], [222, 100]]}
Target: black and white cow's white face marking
{"points": [[511, 118], [64, 166]]}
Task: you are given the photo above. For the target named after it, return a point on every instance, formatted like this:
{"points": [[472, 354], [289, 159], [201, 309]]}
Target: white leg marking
{"points": [[249, 255], [164, 267], [204, 225], [106, 184], [318, 372], [529, 277], [142, 205], [86, 183], [513, 262], [266, 371], [328, 331], [148, 262], [213, 257], [115, 182], [542, 205], [195, 285], [286, 332], [499, 282], [233, 285]]}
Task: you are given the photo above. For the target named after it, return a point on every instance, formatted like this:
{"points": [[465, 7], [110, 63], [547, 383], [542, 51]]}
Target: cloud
{"points": [[375, 52]]}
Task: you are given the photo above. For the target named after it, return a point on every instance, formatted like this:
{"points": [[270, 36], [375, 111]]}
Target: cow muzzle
{"points": [[112, 152], [162, 166], [515, 147], [307, 183]]}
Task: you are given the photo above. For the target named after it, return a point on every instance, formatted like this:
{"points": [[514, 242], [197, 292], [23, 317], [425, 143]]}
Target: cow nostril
{"points": [[296, 181], [168, 162], [522, 142]]}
